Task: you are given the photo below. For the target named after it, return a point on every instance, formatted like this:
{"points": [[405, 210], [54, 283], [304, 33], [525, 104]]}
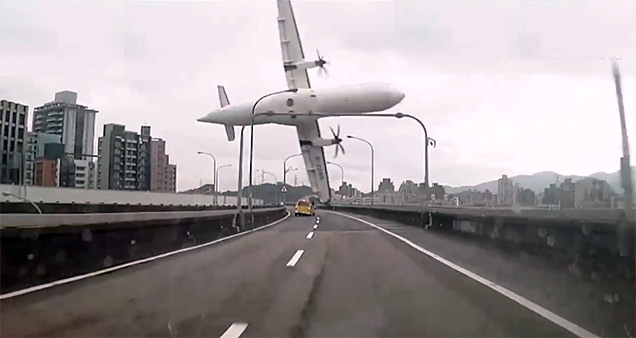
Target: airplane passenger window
{"points": [[290, 102]]}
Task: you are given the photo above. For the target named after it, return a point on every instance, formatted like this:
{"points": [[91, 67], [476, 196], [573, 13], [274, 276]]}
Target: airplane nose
{"points": [[209, 117], [397, 96]]}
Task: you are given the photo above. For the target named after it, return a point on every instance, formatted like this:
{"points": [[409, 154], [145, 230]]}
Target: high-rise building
{"points": [[66, 169], [84, 174], [409, 187], [505, 191], [566, 194], [386, 185], [123, 159], [347, 190], [74, 122], [46, 172], [144, 158], [171, 178], [525, 197], [13, 146], [35, 149], [436, 192], [163, 175], [592, 193], [551, 195]]}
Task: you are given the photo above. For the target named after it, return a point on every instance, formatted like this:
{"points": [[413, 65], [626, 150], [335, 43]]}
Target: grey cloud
{"points": [[460, 37], [558, 37]]}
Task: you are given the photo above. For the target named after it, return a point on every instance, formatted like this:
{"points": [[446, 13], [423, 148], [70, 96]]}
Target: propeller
{"points": [[321, 63], [337, 141]]}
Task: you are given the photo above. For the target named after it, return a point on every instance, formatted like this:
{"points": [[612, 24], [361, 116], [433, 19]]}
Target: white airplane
{"points": [[287, 106]]}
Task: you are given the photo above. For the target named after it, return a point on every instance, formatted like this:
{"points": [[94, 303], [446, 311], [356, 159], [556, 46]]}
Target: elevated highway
{"points": [[333, 275]]}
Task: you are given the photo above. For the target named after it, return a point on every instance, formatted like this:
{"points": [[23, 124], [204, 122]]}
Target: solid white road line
{"points": [[292, 262], [234, 331], [543, 312], [122, 266], [310, 235]]}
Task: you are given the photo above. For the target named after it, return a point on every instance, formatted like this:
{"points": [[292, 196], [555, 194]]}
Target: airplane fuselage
{"points": [[286, 107], [301, 106]]}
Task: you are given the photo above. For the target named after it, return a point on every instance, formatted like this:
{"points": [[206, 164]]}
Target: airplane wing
{"points": [[291, 47], [297, 78], [314, 159]]}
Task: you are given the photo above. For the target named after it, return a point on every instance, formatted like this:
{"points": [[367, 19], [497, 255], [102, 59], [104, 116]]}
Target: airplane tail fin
{"points": [[223, 97], [229, 129]]}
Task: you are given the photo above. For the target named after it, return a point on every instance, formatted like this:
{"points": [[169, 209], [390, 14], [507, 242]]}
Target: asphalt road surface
{"points": [[347, 279]]}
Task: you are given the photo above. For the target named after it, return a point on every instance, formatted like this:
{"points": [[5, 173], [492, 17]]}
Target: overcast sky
{"points": [[505, 87]]}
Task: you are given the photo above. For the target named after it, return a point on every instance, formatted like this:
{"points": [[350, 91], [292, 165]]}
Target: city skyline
{"points": [[58, 150], [491, 112], [332, 172]]}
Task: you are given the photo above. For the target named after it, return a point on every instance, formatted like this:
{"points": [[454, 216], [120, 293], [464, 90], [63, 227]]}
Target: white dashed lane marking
{"points": [[292, 262], [234, 331], [310, 235], [315, 226]]}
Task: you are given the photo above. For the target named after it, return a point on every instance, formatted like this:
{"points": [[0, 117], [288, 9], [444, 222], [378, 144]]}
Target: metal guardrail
{"points": [[53, 220]]}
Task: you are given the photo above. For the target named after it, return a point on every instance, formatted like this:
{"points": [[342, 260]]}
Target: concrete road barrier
{"points": [[85, 208], [592, 245], [48, 250], [117, 219]]}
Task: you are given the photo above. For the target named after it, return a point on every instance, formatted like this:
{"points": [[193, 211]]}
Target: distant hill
{"points": [[614, 179], [542, 180]]}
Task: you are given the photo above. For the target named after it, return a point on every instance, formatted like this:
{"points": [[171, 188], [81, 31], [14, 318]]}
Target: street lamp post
{"points": [[214, 172], [427, 140], [285, 170], [372, 161], [275, 181], [263, 172], [625, 170], [257, 170], [398, 115], [239, 191], [285, 175], [284, 189], [341, 172], [217, 176], [274, 175], [252, 134]]}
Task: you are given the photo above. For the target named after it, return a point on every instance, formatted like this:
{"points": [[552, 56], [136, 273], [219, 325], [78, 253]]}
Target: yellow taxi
{"points": [[304, 207]]}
